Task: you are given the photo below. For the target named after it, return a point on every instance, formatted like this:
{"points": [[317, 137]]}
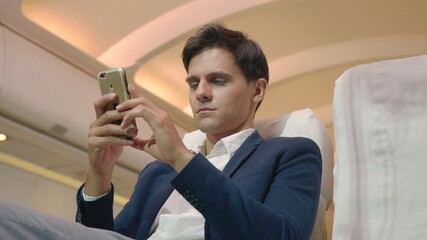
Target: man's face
{"points": [[220, 97]]}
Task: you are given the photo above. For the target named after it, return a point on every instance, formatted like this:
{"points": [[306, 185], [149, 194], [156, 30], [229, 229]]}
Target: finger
{"points": [[102, 102], [132, 103], [131, 115], [138, 143], [137, 99], [150, 142], [108, 118], [107, 141], [134, 93], [142, 144], [111, 130]]}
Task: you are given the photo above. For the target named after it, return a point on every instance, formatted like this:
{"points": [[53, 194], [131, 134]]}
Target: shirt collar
{"points": [[227, 145]]}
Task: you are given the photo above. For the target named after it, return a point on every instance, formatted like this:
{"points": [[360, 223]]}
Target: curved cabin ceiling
{"points": [[308, 43]]}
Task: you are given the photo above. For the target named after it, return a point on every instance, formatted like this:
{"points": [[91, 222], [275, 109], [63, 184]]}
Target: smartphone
{"points": [[114, 80]]}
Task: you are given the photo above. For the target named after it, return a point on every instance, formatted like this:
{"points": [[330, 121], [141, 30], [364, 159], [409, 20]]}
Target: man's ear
{"points": [[259, 90]]}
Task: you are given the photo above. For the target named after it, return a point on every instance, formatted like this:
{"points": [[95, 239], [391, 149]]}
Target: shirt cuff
{"points": [[88, 198]]}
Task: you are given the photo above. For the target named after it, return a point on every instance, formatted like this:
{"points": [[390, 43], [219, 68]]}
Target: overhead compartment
{"points": [[44, 92], [47, 94]]}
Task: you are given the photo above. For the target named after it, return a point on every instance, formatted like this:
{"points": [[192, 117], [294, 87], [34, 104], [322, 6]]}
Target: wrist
{"points": [[96, 185], [182, 161]]}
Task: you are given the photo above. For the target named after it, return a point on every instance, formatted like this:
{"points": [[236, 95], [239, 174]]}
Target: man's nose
{"points": [[203, 92]]}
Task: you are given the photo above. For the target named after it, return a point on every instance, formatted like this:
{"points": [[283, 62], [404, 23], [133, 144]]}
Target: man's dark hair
{"points": [[248, 55]]}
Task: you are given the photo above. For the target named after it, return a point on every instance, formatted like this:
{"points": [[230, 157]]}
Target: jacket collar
{"points": [[243, 153]]}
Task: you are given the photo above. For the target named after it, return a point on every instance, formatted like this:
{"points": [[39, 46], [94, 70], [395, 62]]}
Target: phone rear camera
{"points": [[103, 75]]}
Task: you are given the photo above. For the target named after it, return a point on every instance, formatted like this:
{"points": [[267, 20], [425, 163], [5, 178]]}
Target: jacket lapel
{"points": [[243, 153]]}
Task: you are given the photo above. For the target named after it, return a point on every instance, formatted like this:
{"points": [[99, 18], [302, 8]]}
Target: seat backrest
{"points": [[301, 123], [380, 123]]}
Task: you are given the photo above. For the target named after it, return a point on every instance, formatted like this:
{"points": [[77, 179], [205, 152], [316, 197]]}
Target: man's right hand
{"points": [[105, 145]]}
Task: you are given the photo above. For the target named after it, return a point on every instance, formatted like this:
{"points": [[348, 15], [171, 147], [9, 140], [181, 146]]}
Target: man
{"points": [[235, 185]]}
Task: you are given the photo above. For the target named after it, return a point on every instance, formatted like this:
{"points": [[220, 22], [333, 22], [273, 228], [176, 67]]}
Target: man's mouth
{"points": [[205, 109]]}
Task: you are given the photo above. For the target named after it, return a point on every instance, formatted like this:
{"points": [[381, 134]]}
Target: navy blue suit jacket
{"points": [[268, 190]]}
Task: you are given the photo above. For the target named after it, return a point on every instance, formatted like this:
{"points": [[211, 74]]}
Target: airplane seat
{"points": [[380, 123]]}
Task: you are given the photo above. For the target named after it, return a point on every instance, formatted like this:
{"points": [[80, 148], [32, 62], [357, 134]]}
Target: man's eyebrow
{"points": [[219, 74], [191, 78], [211, 74]]}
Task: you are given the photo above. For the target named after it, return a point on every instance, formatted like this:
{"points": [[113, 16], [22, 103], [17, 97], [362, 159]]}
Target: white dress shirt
{"points": [[177, 219]]}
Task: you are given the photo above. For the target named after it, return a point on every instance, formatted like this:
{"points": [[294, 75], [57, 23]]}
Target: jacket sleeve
{"points": [[96, 214], [137, 216], [288, 208]]}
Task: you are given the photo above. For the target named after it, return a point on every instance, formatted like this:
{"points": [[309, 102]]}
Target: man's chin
{"points": [[207, 127]]}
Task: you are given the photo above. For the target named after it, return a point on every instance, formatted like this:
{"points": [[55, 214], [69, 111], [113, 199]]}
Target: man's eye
{"points": [[219, 82], [193, 85]]}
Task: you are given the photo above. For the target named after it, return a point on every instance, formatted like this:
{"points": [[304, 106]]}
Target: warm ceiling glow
{"points": [[115, 46], [58, 24], [172, 92], [158, 32], [344, 52]]}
